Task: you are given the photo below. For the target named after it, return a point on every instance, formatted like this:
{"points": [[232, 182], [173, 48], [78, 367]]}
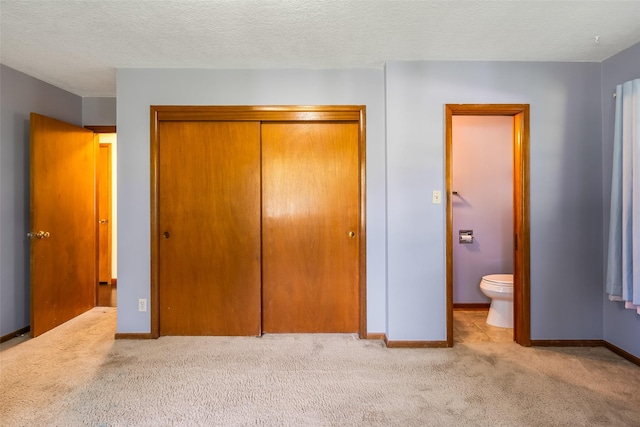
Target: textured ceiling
{"points": [[77, 45]]}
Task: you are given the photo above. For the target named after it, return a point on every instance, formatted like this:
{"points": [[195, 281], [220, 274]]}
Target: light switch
{"points": [[436, 197]]}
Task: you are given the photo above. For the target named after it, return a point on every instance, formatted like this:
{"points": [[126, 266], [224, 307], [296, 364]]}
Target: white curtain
{"points": [[623, 264]]}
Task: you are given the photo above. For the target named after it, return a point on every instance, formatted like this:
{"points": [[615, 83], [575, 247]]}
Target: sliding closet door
{"points": [[209, 224], [310, 217]]}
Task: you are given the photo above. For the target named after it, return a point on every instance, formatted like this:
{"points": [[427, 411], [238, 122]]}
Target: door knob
{"points": [[38, 235], [104, 221], [352, 234], [166, 234]]}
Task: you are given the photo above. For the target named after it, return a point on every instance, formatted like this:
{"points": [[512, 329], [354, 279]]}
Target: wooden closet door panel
{"points": [[310, 207], [209, 217]]}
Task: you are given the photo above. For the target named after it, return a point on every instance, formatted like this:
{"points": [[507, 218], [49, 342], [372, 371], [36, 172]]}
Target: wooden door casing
{"points": [[310, 215], [355, 115], [104, 214], [63, 265], [521, 218], [209, 215]]}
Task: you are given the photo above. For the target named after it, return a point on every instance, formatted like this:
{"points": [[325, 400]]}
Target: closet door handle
{"points": [[166, 234], [352, 234]]}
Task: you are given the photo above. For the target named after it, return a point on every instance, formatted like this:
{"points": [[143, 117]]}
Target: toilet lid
{"points": [[502, 279]]}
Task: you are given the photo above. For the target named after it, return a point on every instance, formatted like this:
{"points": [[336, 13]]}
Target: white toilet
{"points": [[499, 287]]}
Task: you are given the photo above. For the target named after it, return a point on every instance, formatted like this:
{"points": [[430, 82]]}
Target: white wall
{"points": [[137, 89], [566, 190]]}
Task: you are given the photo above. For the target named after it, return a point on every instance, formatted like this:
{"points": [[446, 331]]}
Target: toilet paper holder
{"points": [[465, 236]]}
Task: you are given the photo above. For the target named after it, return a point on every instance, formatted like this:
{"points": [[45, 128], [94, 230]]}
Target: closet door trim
{"points": [[258, 113], [332, 113]]}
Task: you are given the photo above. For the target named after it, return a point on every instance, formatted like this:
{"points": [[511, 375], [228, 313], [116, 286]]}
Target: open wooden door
{"points": [[63, 227]]}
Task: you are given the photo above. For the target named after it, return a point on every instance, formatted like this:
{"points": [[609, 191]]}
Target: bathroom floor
{"points": [[471, 326]]}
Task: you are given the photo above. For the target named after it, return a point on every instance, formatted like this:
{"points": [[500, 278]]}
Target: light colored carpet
{"points": [[78, 375]]}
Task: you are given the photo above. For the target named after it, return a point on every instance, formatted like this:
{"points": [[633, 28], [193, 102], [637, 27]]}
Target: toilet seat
{"points": [[505, 280]]}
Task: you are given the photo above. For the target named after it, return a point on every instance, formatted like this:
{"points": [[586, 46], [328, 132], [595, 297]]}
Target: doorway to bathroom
{"points": [[505, 239]]}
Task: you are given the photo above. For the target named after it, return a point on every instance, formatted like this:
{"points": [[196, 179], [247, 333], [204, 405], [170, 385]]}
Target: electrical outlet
{"points": [[436, 197], [142, 304]]}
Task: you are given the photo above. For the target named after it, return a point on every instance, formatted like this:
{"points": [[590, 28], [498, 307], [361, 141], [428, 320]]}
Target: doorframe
{"points": [[521, 218], [97, 129], [106, 174], [277, 113]]}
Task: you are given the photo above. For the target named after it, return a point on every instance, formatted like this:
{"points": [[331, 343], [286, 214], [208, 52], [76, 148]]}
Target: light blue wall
{"points": [[137, 89], [566, 185], [19, 96], [98, 111], [621, 326], [569, 163]]}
